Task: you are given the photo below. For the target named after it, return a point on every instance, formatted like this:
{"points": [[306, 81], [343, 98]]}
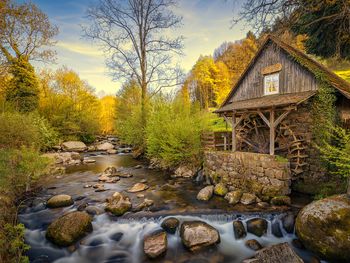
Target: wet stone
{"points": [[276, 230], [116, 236], [253, 244], [257, 226], [59, 201], [239, 230], [139, 187], [155, 245], [206, 193], [170, 224], [288, 223]]}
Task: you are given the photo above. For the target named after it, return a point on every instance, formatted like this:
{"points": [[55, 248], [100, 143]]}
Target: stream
{"points": [[119, 239]]}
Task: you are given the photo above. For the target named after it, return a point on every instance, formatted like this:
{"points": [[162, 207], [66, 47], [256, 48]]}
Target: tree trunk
{"points": [[348, 189]]}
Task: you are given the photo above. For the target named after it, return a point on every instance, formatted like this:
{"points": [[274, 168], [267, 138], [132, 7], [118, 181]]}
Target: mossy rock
{"points": [[324, 228], [220, 189], [59, 201], [69, 228], [281, 200]]}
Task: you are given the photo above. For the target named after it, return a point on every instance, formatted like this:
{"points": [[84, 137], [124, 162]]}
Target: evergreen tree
{"points": [[23, 88]]}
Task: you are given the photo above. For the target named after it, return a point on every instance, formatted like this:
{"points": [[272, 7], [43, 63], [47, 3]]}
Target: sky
{"points": [[206, 24]]}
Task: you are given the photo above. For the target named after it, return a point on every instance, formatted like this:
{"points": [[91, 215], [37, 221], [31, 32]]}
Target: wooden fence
{"points": [[220, 141]]}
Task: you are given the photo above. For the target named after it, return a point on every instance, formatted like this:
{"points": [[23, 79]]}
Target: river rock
{"points": [[253, 244], [170, 224], [155, 245], [112, 151], [110, 171], [139, 187], [220, 189], [118, 204], [281, 200], [146, 203], [239, 230], [125, 175], [280, 253], [324, 228], [93, 210], [59, 201], [75, 146], [184, 172], [88, 160], [257, 226], [69, 228], [276, 229], [104, 146], [234, 197], [206, 193], [196, 235], [288, 222], [248, 199]]}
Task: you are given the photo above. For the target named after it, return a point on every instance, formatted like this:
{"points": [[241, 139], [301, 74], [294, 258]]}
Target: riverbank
{"points": [[171, 197]]}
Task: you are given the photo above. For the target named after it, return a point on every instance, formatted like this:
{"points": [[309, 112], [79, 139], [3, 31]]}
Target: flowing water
{"points": [[119, 239]]}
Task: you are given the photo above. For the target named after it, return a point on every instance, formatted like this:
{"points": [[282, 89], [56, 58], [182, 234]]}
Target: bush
{"points": [[19, 168], [29, 130], [173, 132]]}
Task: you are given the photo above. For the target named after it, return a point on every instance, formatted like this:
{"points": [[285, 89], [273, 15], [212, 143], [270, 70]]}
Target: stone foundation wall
{"points": [[264, 175]]}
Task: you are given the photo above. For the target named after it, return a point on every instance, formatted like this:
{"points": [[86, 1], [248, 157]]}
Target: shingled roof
{"points": [[304, 60]]}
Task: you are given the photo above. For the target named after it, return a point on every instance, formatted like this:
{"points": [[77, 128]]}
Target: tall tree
{"points": [[25, 31], [135, 38], [325, 22]]}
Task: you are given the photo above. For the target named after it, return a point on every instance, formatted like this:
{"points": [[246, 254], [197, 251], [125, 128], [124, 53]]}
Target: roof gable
{"points": [[298, 57]]}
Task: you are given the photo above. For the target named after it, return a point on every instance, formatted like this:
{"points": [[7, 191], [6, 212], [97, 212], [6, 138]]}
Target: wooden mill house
{"points": [[269, 107]]}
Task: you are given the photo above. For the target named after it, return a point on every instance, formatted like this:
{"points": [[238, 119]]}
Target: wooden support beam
{"points": [[234, 146], [240, 120], [272, 132], [262, 116], [227, 120], [281, 117]]}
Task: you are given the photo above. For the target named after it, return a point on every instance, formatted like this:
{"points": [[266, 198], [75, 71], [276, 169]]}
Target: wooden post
{"points": [[272, 132], [234, 131], [225, 142]]}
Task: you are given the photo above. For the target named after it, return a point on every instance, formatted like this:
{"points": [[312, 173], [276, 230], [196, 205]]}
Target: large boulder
{"points": [[280, 253], [118, 204], [155, 245], [324, 228], [206, 193], [196, 235], [69, 228], [257, 226], [75, 146], [105, 146], [59, 201]]}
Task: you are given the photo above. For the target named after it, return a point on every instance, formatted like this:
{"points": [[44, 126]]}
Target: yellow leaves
{"points": [[107, 114]]}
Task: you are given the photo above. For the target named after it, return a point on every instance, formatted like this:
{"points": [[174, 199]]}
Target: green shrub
{"points": [[19, 168], [12, 245], [29, 130], [173, 132]]}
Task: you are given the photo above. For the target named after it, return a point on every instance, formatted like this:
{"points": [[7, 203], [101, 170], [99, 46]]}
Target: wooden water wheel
{"points": [[292, 146], [253, 136]]}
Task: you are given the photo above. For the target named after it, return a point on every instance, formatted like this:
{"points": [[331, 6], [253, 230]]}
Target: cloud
{"points": [[80, 48]]}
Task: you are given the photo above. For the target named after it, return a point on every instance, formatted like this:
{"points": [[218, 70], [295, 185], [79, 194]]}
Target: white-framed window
{"points": [[271, 84]]}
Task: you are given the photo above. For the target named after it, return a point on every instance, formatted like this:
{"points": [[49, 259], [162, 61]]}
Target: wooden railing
{"points": [[220, 141]]}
